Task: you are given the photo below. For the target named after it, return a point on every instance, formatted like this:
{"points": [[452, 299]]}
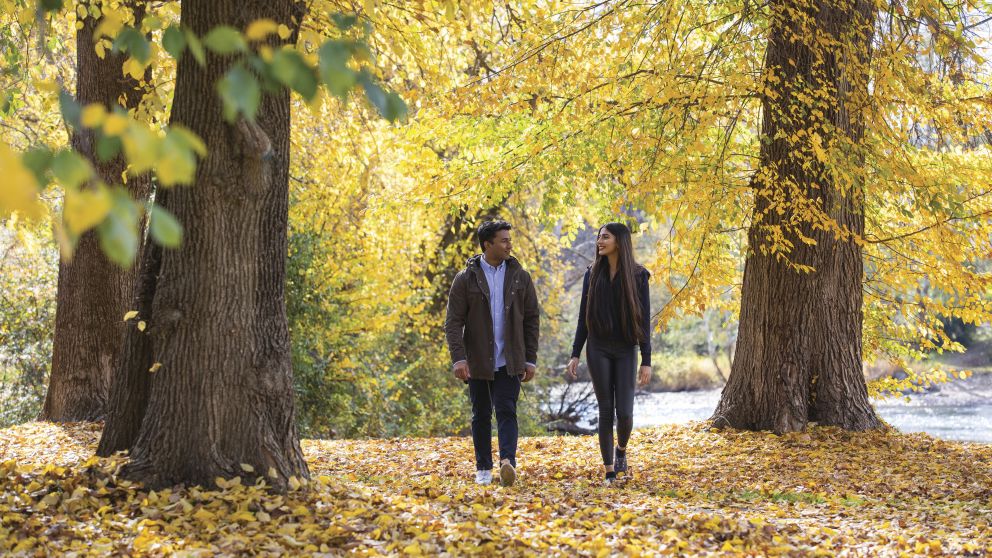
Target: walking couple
{"points": [[493, 325]]}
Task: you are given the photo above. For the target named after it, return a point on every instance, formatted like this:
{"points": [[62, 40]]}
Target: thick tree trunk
{"points": [[132, 380], [798, 356], [93, 293], [223, 395]]}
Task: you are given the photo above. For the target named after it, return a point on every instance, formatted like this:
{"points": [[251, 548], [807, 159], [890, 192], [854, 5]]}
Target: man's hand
{"points": [[461, 370], [644, 376], [572, 368], [529, 372]]}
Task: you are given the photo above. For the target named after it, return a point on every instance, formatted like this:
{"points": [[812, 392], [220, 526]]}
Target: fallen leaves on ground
{"points": [[825, 492]]}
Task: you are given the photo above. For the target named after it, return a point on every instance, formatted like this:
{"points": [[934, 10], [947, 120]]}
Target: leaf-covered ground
{"points": [[692, 491]]}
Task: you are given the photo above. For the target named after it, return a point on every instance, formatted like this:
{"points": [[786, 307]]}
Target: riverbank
{"points": [[693, 491], [959, 410]]}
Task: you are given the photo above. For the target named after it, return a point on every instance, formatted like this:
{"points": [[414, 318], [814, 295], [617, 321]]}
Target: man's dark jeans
{"points": [[501, 394]]}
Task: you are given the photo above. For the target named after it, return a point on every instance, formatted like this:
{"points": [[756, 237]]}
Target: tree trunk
{"points": [[798, 356], [132, 380], [93, 293], [223, 395]]}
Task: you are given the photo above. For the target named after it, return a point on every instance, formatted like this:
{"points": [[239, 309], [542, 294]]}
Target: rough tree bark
{"points": [[131, 381], [223, 395], [93, 293], [799, 350]]}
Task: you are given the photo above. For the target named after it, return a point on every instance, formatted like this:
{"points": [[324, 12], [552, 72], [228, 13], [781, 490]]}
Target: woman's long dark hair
{"points": [[600, 296]]}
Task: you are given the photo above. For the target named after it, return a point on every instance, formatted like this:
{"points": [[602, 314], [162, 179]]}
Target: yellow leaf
{"points": [[134, 68], [110, 25], [141, 325], [204, 514], [115, 124], [47, 85], [260, 29], [93, 115], [175, 167], [141, 147], [19, 191], [155, 367], [144, 540], [243, 515], [247, 468], [283, 31], [24, 545], [85, 209], [130, 314]]}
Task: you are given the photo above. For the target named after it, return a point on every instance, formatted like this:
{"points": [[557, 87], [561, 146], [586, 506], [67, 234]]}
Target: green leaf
{"points": [[38, 160], [344, 22], [71, 169], [70, 109], [395, 107], [174, 42], [131, 41], [152, 23], [119, 231], [107, 147], [262, 70], [334, 71], [196, 47], [51, 5], [224, 40], [389, 105], [164, 228], [240, 92], [289, 68]]}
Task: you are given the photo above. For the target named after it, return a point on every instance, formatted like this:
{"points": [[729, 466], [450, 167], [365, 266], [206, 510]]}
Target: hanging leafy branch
{"points": [[264, 61]]}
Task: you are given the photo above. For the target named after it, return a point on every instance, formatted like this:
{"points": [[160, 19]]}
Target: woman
{"points": [[615, 315]]}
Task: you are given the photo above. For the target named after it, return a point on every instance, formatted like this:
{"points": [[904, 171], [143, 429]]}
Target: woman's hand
{"points": [[644, 376], [572, 368]]}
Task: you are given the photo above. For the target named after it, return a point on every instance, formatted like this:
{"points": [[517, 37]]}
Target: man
{"points": [[492, 328]]}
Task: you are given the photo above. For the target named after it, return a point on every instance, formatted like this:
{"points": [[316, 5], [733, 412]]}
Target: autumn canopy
{"points": [[229, 225]]}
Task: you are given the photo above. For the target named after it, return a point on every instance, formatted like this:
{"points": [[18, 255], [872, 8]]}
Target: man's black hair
{"points": [[488, 230]]}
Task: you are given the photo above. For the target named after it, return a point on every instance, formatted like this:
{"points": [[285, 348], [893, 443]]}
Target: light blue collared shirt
{"points": [[495, 277]]}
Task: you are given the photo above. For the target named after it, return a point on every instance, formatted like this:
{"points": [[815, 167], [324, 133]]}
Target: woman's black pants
{"points": [[613, 368]]}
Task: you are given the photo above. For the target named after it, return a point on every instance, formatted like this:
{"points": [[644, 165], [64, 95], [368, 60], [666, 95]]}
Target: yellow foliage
{"points": [[19, 192], [259, 29], [84, 208], [93, 115]]}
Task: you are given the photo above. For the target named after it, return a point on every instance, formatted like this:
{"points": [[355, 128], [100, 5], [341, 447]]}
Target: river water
{"points": [[959, 410]]}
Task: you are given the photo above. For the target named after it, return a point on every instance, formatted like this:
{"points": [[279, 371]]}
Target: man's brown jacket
{"points": [[469, 325]]}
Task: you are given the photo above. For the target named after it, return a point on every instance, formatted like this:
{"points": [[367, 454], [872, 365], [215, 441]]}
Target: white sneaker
{"points": [[507, 474], [483, 477]]}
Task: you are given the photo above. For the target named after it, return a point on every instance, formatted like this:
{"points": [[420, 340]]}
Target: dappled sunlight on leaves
{"points": [[823, 492]]}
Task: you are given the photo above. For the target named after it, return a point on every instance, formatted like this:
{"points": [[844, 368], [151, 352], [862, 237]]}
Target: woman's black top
{"points": [[616, 329]]}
